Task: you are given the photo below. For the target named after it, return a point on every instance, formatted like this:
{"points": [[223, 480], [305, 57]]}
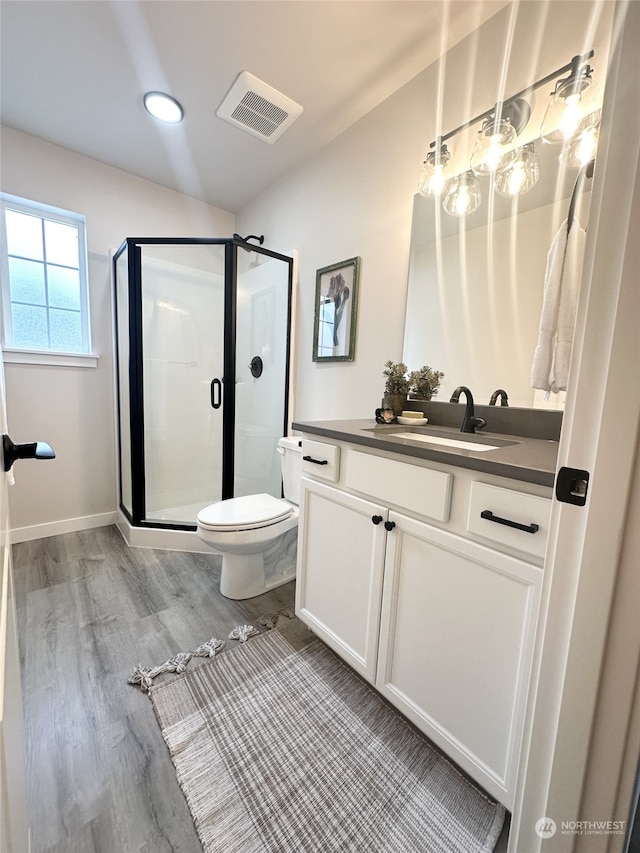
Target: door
{"points": [[263, 318], [184, 298], [14, 828], [341, 541], [455, 646]]}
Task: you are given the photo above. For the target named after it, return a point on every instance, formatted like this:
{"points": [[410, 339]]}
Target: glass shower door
{"points": [[263, 301], [183, 321]]}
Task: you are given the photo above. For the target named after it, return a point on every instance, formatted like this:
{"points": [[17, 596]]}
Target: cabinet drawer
{"points": [[420, 490], [320, 460], [509, 518]]}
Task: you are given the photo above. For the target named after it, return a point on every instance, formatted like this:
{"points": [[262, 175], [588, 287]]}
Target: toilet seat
{"points": [[245, 513]]}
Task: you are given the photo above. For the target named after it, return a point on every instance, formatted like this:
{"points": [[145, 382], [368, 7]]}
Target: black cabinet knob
{"points": [[376, 519], [389, 525]]}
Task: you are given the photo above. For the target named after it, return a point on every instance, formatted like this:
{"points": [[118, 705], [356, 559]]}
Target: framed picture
{"points": [[334, 331]]}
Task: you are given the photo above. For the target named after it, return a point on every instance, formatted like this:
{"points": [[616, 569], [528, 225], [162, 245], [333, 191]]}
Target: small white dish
{"points": [[412, 421]]}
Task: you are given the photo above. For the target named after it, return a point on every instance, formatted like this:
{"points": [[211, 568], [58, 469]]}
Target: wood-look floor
{"points": [[89, 610]]}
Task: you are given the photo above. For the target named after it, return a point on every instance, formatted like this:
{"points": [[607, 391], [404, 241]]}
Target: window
{"points": [[44, 278]]}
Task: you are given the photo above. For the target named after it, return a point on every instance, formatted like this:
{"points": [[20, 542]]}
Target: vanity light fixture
{"points": [[520, 175], [494, 147], [433, 179], [497, 139], [572, 99], [163, 107], [463, 195], [581, 148], [496, 152]]}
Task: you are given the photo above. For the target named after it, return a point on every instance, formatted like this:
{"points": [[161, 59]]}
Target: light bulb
{"points": [[434, 179], [572, 99], [463, 195], [580, 150], [520, 175], [494, 147]]}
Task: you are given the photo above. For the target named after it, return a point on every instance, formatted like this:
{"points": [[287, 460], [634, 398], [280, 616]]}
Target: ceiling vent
{"points": [[258, 108]]}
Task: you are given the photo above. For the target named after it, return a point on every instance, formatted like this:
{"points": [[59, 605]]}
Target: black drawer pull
{"points": [[527, 528], [389, 525], [376, 519], [315, 461]]}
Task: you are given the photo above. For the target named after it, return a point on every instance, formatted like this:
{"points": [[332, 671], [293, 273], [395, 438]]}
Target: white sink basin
{"points": [[448, 442]]}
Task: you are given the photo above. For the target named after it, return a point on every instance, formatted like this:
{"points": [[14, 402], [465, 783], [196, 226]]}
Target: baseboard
{"points": [[68, 525]]}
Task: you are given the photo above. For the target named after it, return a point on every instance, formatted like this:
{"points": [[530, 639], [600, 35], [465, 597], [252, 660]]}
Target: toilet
{"points": [[257, 534]]}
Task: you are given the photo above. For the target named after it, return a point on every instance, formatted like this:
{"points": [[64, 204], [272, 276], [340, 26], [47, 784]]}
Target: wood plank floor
{"points": [[89, 610]]}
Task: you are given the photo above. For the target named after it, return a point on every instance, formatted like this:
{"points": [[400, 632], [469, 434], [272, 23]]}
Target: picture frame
{"points": [[336, 308]]}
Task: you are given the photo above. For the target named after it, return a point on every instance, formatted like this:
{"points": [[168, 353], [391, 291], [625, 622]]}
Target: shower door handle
{"points": [[216, 393]]}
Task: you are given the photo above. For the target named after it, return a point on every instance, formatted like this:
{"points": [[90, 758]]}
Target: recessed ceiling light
{"points": [[163, 107]]}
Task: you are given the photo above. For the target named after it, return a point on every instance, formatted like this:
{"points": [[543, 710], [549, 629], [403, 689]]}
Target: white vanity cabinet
{"points": [[436, 609], [340, 563], [456, 636]]}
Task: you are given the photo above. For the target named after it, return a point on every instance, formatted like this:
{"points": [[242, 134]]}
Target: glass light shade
{"points": [[568, 106], [494, 147], [519, 176], [582, 147], [163, 107], [434, 177], [463, 195]]}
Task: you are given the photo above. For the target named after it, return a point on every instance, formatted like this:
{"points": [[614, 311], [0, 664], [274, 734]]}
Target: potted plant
{"points": [[396, 387], [424, 383]]}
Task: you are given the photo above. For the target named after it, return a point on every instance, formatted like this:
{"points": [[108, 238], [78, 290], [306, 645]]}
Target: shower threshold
{"points": [[185, 514]]}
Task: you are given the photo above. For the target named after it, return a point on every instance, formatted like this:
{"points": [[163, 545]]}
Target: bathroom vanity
{"points": [[420, 564]]}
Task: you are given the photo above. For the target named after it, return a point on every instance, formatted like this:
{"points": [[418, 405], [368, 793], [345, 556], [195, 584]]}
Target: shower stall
{"points": [[203, 329]]}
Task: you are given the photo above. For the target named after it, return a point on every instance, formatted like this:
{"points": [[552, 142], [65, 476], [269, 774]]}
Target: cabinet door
{"points": [[457, 632], [339, 577]]}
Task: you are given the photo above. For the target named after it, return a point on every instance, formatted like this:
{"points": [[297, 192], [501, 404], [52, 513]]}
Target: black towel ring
{"points": [[585, 172]]}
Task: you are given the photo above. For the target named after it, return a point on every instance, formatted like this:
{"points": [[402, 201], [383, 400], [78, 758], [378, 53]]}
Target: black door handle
{"points": [[216, 393], [33, 450]]}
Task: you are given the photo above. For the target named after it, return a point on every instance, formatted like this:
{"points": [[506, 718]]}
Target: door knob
{"points": [[34, 450]]}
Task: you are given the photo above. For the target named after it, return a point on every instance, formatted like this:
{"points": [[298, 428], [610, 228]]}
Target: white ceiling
{"points": [[73, 72]]}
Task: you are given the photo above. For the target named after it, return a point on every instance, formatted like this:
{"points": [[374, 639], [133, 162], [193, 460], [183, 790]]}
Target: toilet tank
{"points": [[290, 451]]}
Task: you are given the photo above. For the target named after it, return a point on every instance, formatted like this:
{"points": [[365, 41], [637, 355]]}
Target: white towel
{"points": [[552, 355]]}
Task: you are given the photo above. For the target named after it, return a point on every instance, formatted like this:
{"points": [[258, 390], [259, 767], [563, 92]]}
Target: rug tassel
{"points": [[141, 676], [243, 632], [178, 663], [209, 649]]}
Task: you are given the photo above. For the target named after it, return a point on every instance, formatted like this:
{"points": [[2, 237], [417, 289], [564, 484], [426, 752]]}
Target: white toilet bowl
{"points": [[256, 534]]}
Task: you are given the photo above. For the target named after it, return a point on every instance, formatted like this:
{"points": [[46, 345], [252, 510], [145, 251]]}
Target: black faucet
{"points": [[470, 421], [504, 400]]}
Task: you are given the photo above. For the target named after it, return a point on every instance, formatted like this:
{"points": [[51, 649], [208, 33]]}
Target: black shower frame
{"points": [[136, 399]]}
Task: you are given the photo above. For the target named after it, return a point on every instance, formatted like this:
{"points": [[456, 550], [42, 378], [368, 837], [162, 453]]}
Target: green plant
{"points": [[397, 381], [425, 382]]}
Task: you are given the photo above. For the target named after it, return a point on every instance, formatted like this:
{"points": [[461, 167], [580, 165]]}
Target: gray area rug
{"points": [[280, 748]]}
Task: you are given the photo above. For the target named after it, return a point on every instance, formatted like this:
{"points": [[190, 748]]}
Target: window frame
{"points": [[14, 352]]}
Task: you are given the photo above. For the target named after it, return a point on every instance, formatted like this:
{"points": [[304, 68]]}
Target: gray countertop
{"points": [[531, 460]]}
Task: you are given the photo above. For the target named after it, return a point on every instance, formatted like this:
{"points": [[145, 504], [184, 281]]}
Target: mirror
{"points": [[476, 284]]}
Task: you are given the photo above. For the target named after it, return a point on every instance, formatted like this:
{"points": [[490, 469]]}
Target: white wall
{"points": [[73, 408], [352, 199], [355, 197]]}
